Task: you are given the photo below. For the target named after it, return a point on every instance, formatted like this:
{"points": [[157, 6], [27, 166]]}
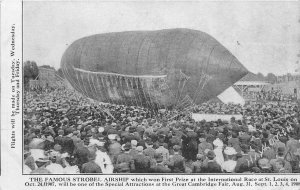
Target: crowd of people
{"points": [[215, 107], [65, 133], [274, 95], [269, 95]]}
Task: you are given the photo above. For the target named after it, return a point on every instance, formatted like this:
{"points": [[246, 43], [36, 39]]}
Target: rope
{"points": [[127, 80], [93, 91], [105, 89], [98, 90], [123, 81], [185, 78], [143, 93], [147, 95], [154, 95], [137, 91], [81, 90], [116, 74]]}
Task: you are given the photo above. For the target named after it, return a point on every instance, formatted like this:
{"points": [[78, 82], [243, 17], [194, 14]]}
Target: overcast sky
{"points": [[268, 32]]}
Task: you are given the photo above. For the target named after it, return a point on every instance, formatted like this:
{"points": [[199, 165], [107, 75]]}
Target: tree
{"points": [[271, 78], [289, 76], [260, 76], [31, 71], [60, 73]]}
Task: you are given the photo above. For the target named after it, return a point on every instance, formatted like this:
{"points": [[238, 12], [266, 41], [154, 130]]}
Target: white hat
{"points": [[206, 151], [65, 155], [140, 148], [96, 142], [122, 147], [112, 136], [251, 128], [229, 166], [101, 129], [133, 142], [230, 151], [218, 143]]}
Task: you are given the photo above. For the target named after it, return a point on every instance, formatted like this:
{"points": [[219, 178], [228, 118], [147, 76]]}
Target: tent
{"points": [[230, 95]]}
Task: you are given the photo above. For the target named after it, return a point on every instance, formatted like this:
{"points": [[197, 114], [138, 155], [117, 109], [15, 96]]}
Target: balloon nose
{"points": [[236, 71], [223, 73]]}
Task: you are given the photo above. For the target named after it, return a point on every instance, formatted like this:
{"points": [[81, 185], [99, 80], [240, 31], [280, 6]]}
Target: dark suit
{"points": [[125, 163], [59, 140], [67, 145], [149, 152], [91, 167], [244, 138], [196, 166], [211, 167], [159, 169], [177, 163], [244, 164], [81, 155], [114, 150], [141, 163]]}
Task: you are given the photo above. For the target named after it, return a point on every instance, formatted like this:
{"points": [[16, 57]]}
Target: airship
{"points": [[170, 68]]}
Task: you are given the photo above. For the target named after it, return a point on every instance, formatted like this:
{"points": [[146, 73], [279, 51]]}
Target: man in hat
{"points": [[296, 164], [59, 138], [277, 143], [177, 130], [264, 166], [159, 167], [280, 167], [292, 144], [114, 148], [133, 152], [197, 165], [230, 164], [174, 140], [102, 159], [252, 152], [56, 152], [75, 137], [131, 135], [218, 150], [203, 144], [211, 166], [246, 158], [176, 161], [124, 161], [81, 154], [91, 166], [243, 167], [268, 153], [256, 140], [149, 151], [41, 164], [54, 167], [234, 141], [163, 151], [244, 137], [141, 162], [49, 143], [65, 142], [190, 143], [280, 156], [28, 159]]}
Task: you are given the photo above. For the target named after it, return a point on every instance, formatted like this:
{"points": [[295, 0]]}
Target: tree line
{"points": [[31, 71]]}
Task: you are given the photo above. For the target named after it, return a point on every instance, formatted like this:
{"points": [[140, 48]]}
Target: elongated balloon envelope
{"points": [[173, 68]]}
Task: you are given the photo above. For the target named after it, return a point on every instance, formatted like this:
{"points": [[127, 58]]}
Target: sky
{"points": [[264, 36]]}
